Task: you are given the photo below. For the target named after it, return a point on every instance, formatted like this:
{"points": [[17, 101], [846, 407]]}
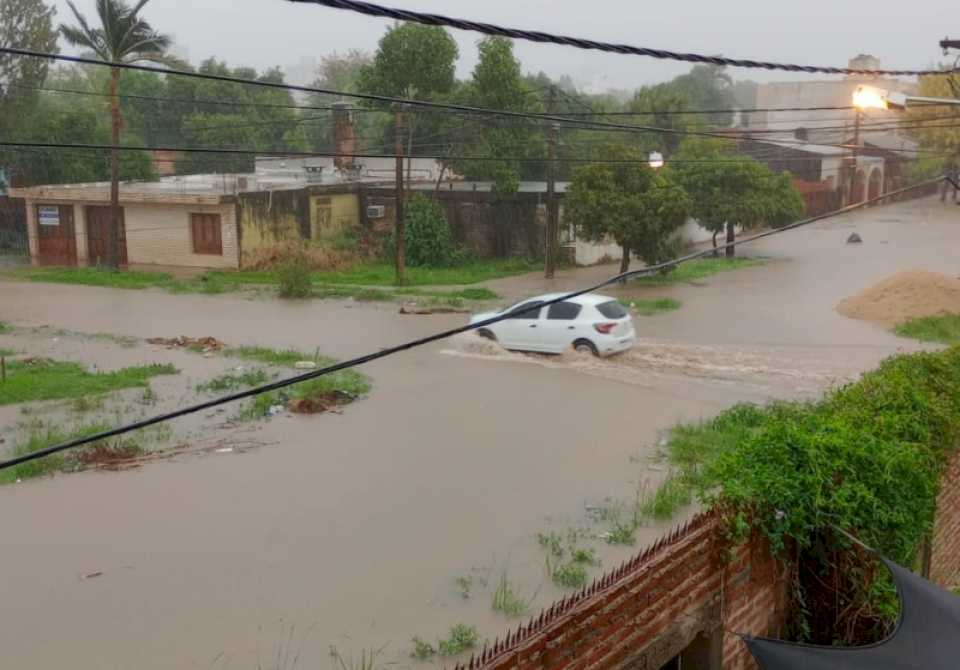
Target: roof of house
{"points": [[486, 186], [192, 189]]}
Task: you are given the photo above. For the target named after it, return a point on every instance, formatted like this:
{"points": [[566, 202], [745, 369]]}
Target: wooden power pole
{"points": [[553, 210], [853, 159], [400, 224]]}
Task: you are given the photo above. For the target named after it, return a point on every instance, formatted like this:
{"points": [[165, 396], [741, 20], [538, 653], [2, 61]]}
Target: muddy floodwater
{"points": [[350, 530]]}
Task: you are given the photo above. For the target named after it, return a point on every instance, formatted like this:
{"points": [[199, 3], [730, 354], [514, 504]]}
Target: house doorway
{"points": [[99, 221], [56, 236]]}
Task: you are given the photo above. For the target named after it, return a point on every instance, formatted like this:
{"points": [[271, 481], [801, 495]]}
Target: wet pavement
{"points": [[350, 530]]}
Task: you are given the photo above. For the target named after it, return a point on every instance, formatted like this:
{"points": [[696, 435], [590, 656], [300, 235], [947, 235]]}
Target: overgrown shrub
{"points": [[866, 459], [427, 236], [294, 277]]}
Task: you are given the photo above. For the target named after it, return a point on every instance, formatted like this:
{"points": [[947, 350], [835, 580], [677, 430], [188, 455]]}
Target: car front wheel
{"points": [[486, 334]]}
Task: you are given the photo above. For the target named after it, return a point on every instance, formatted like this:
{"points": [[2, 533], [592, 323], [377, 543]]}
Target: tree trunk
{"points": [[113, 256], [624, 262], [731, 238], [716, 254]]}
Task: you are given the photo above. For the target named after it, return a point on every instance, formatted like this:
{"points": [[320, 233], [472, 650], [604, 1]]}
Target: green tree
{"points": [[71, 121], [412, 61], [26, 24], [729, 190], [939, 131], [708, 87], [636, 206], [498, 83], [340, 72], [659, 105], [122, 37]]}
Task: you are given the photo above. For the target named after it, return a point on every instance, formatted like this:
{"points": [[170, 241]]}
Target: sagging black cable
{"points": [[419, 342], [371, 9]]}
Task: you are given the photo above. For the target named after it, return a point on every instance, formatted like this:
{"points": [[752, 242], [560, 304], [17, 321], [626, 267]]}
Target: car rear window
{"points": [[612, 309], [564, 311]]}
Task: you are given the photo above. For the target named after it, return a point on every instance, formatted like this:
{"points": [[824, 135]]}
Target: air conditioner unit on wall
{"points": [[376, 211]]}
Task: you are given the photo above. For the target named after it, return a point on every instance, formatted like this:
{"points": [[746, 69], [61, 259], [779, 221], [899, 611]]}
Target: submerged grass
{"points": [[42, 435], [460, 639], [649, 307], [41, 379], [944, 329], [279, 357], [508, 601], [696, 270], [232, 381]]}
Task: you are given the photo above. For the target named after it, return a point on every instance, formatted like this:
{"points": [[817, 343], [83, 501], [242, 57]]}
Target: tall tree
{"points": [[938, 128], [497, 83], [412, 61], [27, 24], [121, 37], [660, 105], [636, 206], [730, 190], [339, 72], [708, 87]]}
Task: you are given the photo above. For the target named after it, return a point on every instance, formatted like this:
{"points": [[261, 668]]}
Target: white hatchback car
{"points": [[588, 323]]}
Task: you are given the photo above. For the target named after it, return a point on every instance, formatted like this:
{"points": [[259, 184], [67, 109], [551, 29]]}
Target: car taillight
{"points": [[604, 328]]}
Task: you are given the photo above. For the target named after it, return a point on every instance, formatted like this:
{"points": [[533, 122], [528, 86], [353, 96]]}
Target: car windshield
{"points": [[612, 309]]}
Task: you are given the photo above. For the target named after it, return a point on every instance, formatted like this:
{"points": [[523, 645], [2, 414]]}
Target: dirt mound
{"points": [[904, 296]]}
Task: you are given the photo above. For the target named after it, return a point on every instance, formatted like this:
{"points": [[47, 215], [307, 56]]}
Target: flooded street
{"points": [[350, 530]]}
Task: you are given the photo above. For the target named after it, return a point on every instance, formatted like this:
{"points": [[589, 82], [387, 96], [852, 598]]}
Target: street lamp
{"points": [[656, 160], [871, 97]]}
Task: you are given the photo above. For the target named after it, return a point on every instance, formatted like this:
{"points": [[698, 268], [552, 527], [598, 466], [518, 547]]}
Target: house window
{"points": [[205, 231]]}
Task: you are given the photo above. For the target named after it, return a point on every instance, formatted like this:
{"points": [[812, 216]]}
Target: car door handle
{"points": [[571, 327], [533, 325]]}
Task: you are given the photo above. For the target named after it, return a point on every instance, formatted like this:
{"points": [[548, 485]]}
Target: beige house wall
{"points": [[160, 235], [157, 234]]}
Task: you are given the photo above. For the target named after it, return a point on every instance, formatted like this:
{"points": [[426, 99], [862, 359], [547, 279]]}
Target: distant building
{"points": [[816, 145]]}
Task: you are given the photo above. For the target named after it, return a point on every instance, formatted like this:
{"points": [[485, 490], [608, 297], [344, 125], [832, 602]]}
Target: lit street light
{"points": [[871, 97], [656, 160]]}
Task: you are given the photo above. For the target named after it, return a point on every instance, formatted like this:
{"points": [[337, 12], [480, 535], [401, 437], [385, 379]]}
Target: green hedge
{"points": [[866, 459]]}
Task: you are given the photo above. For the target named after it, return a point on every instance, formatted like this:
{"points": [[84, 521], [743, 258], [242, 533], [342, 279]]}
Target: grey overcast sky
{"points": [[264, 33]]}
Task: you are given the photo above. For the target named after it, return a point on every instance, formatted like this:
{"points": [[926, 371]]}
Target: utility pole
{"points": [[947, 43], [400, 224], [853, 159], [552, 246], [553, 209]]}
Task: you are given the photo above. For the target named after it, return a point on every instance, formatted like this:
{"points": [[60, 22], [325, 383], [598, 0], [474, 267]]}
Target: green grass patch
{"points": [[5, 327], [649, 307], [232, 381], [697, 270], [507, 600], [382, 274], [346, 384], [129, 279], [286, 358], [570, 575], [422, 650], [460, 639], [7, 352], [944, 329], [42, 379]]}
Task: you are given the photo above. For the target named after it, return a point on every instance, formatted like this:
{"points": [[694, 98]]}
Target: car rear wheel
{"points": [[585, 347], [486, 334]]}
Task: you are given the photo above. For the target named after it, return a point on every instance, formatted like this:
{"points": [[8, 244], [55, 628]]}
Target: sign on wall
{"points": [[48, 216]]}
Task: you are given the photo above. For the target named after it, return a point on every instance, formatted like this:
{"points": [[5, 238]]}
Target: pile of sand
{"points": [[903, 296]]}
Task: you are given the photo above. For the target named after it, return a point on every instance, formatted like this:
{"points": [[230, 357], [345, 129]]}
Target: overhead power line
{"points": [[283, 153], [419, 342], [480, 111], [371, 9]]}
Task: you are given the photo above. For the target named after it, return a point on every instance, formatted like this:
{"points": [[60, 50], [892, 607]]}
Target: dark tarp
{"points": [[927, 636]]}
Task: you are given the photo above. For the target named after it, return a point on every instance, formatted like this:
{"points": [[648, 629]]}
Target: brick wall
{"points": [[684, 596], [674, 599], [945, 554], [160, 235]]}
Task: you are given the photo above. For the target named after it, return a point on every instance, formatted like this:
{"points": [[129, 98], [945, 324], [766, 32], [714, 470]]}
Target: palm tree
{"points": [[122, 37]]}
